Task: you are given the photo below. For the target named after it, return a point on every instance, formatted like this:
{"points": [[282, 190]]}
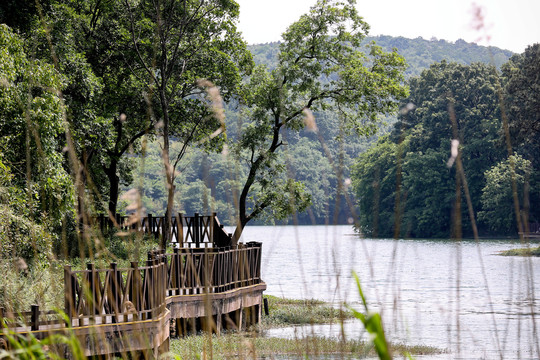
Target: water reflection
{"points": [[461, 297]]}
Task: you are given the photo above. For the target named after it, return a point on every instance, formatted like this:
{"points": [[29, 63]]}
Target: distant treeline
{"points": [[321, 163], [409, 184], [419, 53]]}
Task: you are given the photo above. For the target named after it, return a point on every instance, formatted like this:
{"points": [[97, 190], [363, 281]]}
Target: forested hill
{"points": [[419, 53], [308, 162]]}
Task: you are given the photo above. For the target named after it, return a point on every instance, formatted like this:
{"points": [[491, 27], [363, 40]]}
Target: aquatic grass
{"points": [[287, 312], [521, 252], [242, 346]]}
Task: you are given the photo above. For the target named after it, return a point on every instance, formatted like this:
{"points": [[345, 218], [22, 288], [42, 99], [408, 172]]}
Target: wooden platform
{"points": [[116, 310]]}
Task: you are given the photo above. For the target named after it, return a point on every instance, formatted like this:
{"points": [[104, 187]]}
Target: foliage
{"points": [[36, 191], [426, 186], [314, 159], [173, 45], [319, 67], [521, 88], [288, 312], [28, 347], [127, 68], [374, 181], [497, 196], [20, 236], [45, 281], [419, 53], [204, 183], [21, 14]]}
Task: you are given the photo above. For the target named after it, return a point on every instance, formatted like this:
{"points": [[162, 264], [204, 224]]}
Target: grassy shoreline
{"points": [[529, 251], [284, 313]]}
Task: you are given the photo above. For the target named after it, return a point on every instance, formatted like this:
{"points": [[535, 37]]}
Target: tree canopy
{"points": [[36, 193], [319, 67], [450, 101]]}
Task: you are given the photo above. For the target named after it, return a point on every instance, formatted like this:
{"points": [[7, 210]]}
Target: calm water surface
{"points": [[460, 297]]}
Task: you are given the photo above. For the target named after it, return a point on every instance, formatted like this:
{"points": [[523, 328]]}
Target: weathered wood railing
{"points": [[186, 231], [115, 295], [136, 300], [32, 320], [198, 271]]}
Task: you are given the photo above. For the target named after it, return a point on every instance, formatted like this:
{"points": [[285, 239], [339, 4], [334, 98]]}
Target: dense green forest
{"points": [[112, 106], [492, 119], [164, 103], [319, 161], [419, 53]]}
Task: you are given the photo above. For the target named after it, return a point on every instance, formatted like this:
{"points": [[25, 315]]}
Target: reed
{"points": [[288, 312], [247, 346]]}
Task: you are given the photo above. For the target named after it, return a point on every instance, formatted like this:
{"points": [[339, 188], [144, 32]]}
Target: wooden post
{"points": [[69, 294], [240, 320], [173, 272], [34, 319], [92, 296], [115, 287], [150, 221], [135, 286], [150, 293], [196, 229], [212, 223], [266, 311], [164, 282], [180, 239]]}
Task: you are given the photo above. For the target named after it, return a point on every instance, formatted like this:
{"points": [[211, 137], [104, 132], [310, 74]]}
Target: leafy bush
{"points": [[20, 235]]}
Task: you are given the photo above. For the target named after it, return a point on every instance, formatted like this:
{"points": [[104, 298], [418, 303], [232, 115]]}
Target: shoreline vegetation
{"points": [[285, 312], [529, 251]]}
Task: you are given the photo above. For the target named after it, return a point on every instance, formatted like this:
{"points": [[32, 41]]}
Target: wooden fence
{"points": [[186, 231], [104, 307]]}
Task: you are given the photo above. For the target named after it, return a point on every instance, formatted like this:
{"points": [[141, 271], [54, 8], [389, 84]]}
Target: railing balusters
{"points": [[34, 318]]}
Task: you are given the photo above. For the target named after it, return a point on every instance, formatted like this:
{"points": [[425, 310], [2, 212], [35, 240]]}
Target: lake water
{"points": [[461, 297]]}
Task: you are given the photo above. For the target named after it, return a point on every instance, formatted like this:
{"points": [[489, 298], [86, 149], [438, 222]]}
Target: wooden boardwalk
{"points": [[122, 310]]}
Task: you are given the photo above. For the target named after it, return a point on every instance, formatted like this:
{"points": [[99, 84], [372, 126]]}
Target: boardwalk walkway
{"points": [[200, 285]]}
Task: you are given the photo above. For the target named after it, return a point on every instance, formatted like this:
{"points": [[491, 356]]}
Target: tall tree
{"points": [[174, 44], [522, 99], [497, 197], [426, 187], [136, 68], [34, 187], [319, 67], [374, 182]]}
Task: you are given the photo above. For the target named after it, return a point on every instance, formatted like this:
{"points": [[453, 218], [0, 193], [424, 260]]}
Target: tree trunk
{"points": [[169, 173], [114, 184], [242, 222]]}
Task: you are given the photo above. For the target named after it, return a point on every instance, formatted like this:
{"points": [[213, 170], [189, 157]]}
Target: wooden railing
{"points": [[115, 295], [32, 320], [186, 231], [198, 271], [113, 301]]}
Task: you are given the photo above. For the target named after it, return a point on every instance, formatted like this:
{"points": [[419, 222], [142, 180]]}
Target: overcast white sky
{"points": [[511, 24]]}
